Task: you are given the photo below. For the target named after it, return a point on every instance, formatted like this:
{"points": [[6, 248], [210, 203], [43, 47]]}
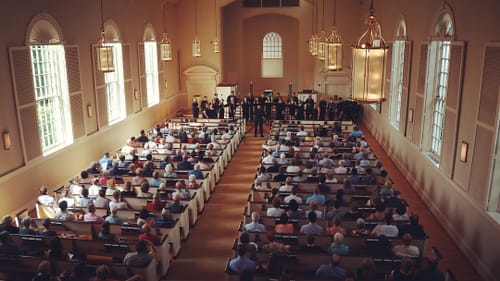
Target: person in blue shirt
{"points": [[196, 172], [338, 246], [320, 198], [331, 271], [356, 132], [105, 161], [242, 264]]}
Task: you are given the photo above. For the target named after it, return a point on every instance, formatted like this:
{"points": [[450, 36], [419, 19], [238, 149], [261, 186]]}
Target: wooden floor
{"points": [[204, 254]]}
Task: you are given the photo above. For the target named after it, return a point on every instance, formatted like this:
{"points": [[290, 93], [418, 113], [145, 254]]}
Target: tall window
{"points": [[398, 62], [436, 88], [52, 96], [439, 102], [272, 58], [115, 87], [151, 63]]}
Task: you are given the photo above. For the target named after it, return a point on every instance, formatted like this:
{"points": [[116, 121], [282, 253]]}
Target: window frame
{"points": [[114, 85], [272, 56], [151, 73]]}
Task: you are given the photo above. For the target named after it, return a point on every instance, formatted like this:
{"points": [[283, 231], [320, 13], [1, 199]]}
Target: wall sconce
{"points": [[90, 110], [464, 151], [410, 115], [7, 144]]}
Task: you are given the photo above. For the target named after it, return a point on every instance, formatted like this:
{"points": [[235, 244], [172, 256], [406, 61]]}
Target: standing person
{"points": [[268, 107], [309, 106], [259, 120], [245, 107], [300, 111], [292, 103], [232, 107], [204, 103], [195, 108], [331, 108], [221, 109], [280, 108], [322, 109], [251, 103]]}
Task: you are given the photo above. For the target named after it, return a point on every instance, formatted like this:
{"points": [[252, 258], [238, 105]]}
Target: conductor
{"points": [[259, 120]]}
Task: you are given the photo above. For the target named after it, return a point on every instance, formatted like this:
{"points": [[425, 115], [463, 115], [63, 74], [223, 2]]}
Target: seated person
{"points": [[44, 198], [185, 164], [292, 196], [84, 200], [313, 208], [102, 201], [139, 179], [181, 191], [388, 229], [310, 246], [320, 198], [149, 237], [288, 186], [105, 233], [331, 271], [103, 273], [197, 172], [94, 168], [414, 228], [91, 215], [360, 229], [165, 219], [117, 201], [242, 264], [356, 132], [406, 249], [169, 171], [283, 226], [155, 181], [293, 210], [334, 226], [276, 210], [176, 207], [338, 246], [281, 176], [145, 191], [8, 225], [47, 232], [192, 183], [113, 217], [141, 257], [255, 226], [63, 213], [312, 227], [27, 227]]}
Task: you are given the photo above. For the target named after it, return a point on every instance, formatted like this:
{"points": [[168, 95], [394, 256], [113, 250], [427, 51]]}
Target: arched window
{"points": [[438, 78], [50, 82], [399, 68], [272, 58], [114, 81], [149, 67]]}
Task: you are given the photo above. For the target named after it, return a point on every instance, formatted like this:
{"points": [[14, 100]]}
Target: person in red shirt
{"points": [[148, 236]]}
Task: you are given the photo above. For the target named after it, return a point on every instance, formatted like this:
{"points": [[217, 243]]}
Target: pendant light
{"points": [[313, 41], [334, 44], [104, 52], [195, 46], [322, 37], [216, 41], [369, 57], [165, 44]]}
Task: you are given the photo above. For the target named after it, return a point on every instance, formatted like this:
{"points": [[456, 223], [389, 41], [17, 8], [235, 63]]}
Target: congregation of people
{"points": [[323, 207], [157, 176]]}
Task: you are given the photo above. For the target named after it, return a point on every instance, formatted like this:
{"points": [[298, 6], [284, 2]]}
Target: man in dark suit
{"points": [[259, 120]]}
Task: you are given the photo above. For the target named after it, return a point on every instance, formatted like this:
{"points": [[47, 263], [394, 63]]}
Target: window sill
{"points": [[432, 158]]}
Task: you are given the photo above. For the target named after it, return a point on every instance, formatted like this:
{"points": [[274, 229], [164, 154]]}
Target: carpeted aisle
{"points": [[205, 253]]}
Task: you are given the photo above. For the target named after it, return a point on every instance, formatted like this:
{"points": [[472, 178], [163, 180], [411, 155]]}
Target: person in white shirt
{"points": [[276, 210], [214, 142], [269, 159], [116, 203], [293, 196], [288, 186], [388, 229], [44, 198], [302, 132], [341, 169], [292, 169], [94, 188], [65, 197], [282, 160], [406, 249], [170, 137]]}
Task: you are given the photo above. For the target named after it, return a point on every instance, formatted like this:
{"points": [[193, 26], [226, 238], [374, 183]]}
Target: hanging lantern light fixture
{"points": [[369, 57], [334, 46], [313, 41], [165, 44], [322, 37], [216, 41], [104, 52], [195, 46]]}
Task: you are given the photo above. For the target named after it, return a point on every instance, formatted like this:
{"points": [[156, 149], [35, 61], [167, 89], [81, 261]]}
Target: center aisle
{"points": [[205, 253]]}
